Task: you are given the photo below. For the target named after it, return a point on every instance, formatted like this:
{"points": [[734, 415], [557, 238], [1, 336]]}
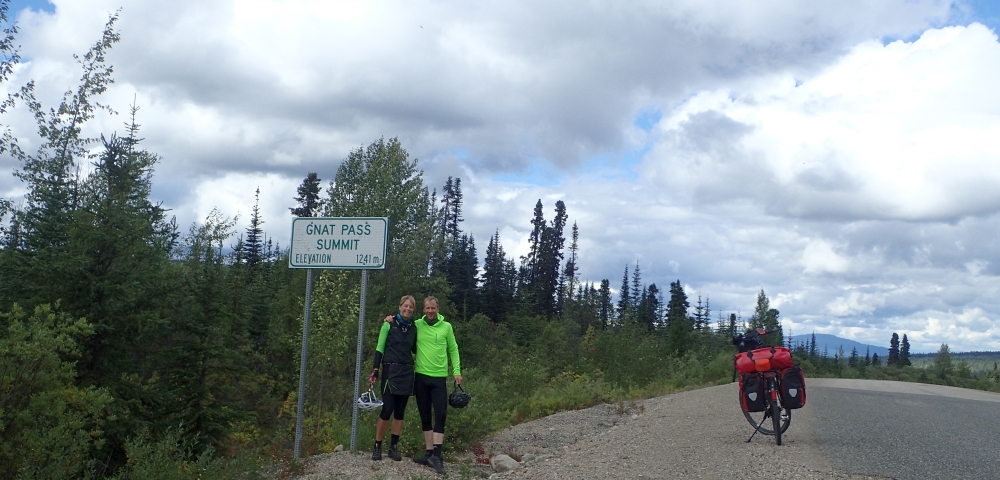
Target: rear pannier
{"points": [[752, 392], [793, 388]]}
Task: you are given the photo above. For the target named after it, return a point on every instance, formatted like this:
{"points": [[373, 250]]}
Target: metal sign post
{"points": [[300, 412], [357, 368], [340, 243]]}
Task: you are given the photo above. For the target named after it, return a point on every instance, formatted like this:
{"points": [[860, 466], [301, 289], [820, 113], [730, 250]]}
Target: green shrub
{"points": [[49, 428], [173, 458]]}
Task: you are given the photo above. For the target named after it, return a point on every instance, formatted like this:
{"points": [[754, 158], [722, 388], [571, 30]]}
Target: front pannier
{"points": [[793, 388], [763, 359], [752, 392]]}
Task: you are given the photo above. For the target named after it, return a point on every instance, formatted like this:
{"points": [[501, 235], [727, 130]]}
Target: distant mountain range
{"points": [[832, 343]]}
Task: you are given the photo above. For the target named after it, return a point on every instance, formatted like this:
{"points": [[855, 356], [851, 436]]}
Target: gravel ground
{"points": [[695, 434]]}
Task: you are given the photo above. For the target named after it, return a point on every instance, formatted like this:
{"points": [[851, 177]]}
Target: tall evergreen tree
{"points": [[253, 246], [678, 324], [624, 300], [699, 316], [499, 278], [451, 209], [893, 359], [572, 267], [309, 202], [547, 277], [649, 306], [904, 352], [462, 274], [637, 289], [606, 309]]}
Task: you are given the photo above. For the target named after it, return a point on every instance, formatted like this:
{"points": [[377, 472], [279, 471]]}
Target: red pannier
{"points": [[763, 359], [752, 392], [793, 388]]}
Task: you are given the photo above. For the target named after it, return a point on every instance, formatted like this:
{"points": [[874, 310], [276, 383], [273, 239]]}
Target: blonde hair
{"points": [[432, 299], [410, 298]]}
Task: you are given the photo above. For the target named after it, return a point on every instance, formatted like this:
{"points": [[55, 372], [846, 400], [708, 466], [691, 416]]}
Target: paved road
{"points": [[904, 430]]}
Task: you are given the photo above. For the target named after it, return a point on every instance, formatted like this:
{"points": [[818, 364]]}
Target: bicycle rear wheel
{"points": [[763, 423], [776, 421]]}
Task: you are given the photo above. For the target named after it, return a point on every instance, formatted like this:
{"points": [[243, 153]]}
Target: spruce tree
{"points": [[893, 359], [606, 309], [309, 202], [624, 307], [649, 306], [699, 315], [678, 324], [253, 246], [497, 290], [904, 352], [546, 279], [637, 289]]}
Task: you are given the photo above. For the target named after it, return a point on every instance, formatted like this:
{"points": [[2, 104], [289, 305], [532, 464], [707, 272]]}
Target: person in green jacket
{"points": [[394, 355], [435, 345]]}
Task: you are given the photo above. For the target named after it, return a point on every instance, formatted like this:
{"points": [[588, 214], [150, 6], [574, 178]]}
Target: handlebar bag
{"points": [[793, 388], [752, 392]]}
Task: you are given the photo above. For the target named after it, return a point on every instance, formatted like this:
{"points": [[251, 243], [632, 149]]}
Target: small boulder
{"points": [[502, 463], [339, 448]]}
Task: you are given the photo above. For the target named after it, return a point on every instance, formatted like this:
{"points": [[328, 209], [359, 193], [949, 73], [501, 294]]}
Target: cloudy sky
{"points": [[842, 155]]}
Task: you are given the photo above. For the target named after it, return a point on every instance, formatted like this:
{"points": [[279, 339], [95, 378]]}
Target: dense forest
{"points": [[133, 348]]}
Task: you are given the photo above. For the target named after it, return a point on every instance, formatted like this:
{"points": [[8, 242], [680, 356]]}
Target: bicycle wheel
{"points": [[776, 420], [760, 421]]}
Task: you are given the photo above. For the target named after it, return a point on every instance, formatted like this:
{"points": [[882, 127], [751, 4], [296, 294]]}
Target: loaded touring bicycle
{"points": [[771, 385]]}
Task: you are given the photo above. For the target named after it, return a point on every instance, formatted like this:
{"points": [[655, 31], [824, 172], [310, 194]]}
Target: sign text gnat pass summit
{"points": [[349, 243]]}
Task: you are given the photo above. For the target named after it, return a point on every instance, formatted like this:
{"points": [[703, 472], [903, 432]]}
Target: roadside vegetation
{"points": [[133, 348]]}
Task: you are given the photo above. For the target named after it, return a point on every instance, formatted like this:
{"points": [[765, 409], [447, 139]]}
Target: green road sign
{"points": [[343, 243]]}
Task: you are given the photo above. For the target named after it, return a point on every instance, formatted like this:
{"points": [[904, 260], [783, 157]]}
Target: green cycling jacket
{"points": [[435, 344]]}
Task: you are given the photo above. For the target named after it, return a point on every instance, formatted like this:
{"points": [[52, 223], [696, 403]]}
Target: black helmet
{"points": [[458, 397]]}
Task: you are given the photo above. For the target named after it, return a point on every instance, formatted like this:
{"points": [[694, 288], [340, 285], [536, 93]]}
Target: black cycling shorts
{"points": [[393, 405], [431, 392]]}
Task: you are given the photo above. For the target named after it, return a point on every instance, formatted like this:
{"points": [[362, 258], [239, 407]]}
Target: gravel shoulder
{"points": [[694, 434]]}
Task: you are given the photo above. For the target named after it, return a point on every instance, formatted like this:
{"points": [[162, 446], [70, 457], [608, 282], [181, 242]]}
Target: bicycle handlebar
{"points": [[751, 339]]}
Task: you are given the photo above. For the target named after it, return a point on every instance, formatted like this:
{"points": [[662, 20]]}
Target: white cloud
{"points": [[905, 131], [819, 256], [854, 304]]}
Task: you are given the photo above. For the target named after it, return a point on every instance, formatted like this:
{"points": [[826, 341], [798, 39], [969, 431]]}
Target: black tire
{"points": [[760, 421], [776, 420]]}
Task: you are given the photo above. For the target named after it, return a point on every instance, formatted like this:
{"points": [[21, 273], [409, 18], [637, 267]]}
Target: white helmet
{"points": [[369, 402]]}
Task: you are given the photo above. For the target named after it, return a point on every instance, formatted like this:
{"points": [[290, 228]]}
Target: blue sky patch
{"points": [[647, 118], [38, 5], [965, 12], [986, 12]]}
